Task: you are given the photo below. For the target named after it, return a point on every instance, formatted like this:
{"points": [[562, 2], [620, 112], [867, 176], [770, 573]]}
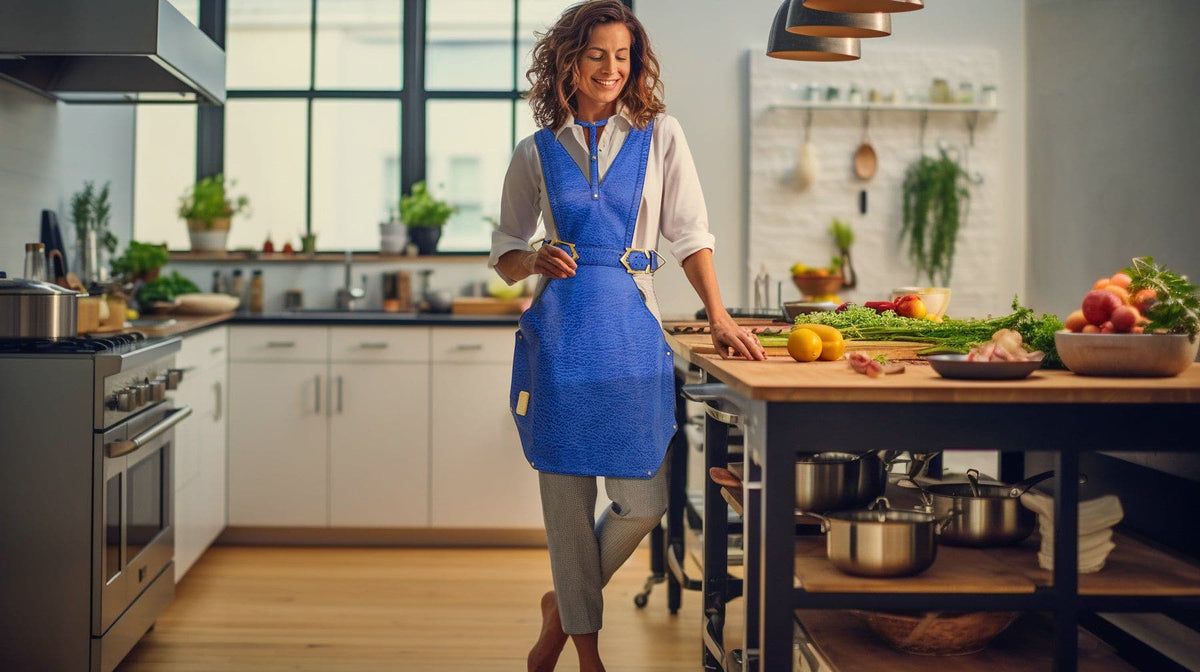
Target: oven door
{"points": [[136, 520]]}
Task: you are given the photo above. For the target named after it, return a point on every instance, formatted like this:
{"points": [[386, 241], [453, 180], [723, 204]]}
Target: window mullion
{"points": [[413, 96]]}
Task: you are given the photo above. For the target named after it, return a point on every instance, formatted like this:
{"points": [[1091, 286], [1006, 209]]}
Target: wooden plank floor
{"points": [[333, 609]]}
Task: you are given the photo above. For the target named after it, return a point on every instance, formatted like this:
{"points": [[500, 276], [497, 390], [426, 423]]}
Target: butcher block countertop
{"points": [[780, 378]]}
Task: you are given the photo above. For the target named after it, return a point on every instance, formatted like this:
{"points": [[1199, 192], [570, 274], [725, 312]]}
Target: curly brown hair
{"points": [[556, 56]]}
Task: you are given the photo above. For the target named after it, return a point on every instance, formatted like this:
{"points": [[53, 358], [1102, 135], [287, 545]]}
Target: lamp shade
{"points": [[792, 47], [802, 20], [864, 6]]}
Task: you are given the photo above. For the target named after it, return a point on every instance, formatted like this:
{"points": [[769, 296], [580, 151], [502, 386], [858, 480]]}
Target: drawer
{"points": [[203, 349], [379, 344], [279, 344], [473, 344]]}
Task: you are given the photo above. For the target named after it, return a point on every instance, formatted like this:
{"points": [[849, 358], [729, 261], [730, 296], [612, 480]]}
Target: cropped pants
{"points": [[584, 552]]}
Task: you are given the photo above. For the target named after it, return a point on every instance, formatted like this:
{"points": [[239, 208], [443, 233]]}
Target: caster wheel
{"points": [[640, 600]]}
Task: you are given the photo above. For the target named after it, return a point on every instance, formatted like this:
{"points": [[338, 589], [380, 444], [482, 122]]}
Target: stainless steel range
{"points": [[86, 526]]}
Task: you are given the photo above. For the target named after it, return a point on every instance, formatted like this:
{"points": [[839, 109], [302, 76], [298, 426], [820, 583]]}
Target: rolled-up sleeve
{"points": [[519, 208], [684, 220]]}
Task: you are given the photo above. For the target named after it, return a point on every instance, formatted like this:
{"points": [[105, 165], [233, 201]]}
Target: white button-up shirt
{"points": [[672, 202]]}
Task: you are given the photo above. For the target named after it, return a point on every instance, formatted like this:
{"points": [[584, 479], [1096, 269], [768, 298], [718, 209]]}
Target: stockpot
{"points": [[832, 481], [992, 514], [881, 541], [36, 310]]}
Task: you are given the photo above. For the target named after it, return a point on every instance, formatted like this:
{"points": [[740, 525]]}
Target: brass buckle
{"points": [[556, 242], [650, 255]]}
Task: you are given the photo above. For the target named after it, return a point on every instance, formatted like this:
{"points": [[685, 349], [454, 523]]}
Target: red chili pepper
{"points": [[880, 306], [842, 308]]}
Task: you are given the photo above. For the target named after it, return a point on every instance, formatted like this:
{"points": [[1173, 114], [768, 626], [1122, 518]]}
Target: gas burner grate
{"points": [[71, 346]]}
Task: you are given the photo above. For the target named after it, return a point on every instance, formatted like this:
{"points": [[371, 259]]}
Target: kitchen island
{"points": [[790, 408]]}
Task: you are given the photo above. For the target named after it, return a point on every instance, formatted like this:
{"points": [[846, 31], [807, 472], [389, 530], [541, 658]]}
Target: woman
{"points": [[592, 391]]}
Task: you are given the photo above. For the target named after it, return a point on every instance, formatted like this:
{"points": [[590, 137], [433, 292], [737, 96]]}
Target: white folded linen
{"points": [[1094, 515]]}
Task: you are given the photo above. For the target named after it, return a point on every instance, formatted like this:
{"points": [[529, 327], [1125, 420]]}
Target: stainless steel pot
{"points": [[992, 514], [881, 541], [30, 309], [832, 481]]}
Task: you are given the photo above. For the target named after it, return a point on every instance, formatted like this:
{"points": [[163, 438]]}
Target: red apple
{"points": [[1108, 328], [1098, 306]]}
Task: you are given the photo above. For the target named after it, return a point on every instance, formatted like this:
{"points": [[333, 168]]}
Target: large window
{"points": [[336, 107]]}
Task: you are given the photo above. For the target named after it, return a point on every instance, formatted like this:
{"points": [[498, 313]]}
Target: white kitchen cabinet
{"points": [[379, 445], [329, 427], [480, 478], [200, 446]]}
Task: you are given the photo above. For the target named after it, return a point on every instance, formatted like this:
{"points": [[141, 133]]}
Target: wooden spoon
{"points": [[865, 161]]}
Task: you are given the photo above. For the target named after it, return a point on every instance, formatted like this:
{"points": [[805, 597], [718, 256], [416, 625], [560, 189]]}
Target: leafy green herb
{"points": [[843, 235], [1177, 309], [420, 208], [166, 288], [935, 204], [860, 323], [139, 258], [881, 358], [209, 199]]}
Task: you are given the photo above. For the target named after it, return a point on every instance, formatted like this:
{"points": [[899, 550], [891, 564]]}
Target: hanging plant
{"points": [[936, 199]]}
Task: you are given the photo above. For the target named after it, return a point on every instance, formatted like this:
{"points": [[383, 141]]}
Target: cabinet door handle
{"points": [[281, 344], [317, 387], [373, 346], [339, 386], [220, 410], [464, 347]]}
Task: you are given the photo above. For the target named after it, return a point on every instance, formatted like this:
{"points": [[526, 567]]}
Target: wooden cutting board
{"points": [[471, 305]]}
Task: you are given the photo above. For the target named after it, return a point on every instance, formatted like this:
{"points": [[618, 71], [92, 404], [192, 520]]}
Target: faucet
{"points": [[348, 296]]}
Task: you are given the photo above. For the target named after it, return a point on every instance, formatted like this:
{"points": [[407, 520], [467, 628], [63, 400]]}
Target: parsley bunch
{"points": [[1177, 309]]}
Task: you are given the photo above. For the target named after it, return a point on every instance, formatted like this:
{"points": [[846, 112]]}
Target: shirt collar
{"points": [[622, 116]]}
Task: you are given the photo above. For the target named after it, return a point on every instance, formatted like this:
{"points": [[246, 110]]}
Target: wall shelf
{"points": [[321, 257], [895, 107]]}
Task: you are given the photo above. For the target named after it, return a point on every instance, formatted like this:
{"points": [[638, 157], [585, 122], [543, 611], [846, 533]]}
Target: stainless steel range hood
{"points": [[109, 51]]}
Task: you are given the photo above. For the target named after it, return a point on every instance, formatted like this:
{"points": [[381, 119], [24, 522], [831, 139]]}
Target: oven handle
{"points": [[119, 448]]}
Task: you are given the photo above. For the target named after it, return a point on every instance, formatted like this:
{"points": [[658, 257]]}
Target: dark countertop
{"points": [[178, 325]]}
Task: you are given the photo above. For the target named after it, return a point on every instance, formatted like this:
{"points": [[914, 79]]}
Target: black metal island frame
{"points": [[788, 407]]}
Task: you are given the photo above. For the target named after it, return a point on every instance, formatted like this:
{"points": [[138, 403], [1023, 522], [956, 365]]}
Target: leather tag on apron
{"points": [[522, 402]]}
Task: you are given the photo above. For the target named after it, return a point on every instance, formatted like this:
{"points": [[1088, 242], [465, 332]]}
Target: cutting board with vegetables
{"points": [[701, 344]]}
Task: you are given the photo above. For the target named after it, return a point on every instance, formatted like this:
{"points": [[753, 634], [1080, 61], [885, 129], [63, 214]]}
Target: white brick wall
{"points": [[787, 225]]}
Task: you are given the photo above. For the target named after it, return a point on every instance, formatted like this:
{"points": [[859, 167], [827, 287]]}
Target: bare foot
{"points": [[544, 654]]}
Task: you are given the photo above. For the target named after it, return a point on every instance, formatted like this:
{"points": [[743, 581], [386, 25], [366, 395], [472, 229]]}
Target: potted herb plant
{"points": [[208, 209], [936, 198], [424, 216], [141, 261], [94, 241]]}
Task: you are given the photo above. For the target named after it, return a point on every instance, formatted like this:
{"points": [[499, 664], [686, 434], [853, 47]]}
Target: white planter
{"points": [[208, 241], [392, 237]]}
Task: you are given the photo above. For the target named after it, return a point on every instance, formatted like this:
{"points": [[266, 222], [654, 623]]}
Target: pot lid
{"points": [[23, 287]]}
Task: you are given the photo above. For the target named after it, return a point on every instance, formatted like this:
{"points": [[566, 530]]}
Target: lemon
{"points": [[804, 345], [131, 314], [798, 268], [832, 344]]}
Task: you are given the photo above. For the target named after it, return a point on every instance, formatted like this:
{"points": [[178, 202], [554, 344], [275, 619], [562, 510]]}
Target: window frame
{"points": [[412, 96]]}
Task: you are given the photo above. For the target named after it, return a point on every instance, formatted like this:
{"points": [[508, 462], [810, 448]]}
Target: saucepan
{"points": [[881, 541], [992, 514], [39, 310], [831, 481]]}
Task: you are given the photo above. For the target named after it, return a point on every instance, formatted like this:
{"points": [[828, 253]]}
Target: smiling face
{"points": [[602, 71]]}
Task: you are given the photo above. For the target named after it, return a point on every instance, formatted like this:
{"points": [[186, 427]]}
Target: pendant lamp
{"points": [[792, 47], [803, 20], [864, 6]]}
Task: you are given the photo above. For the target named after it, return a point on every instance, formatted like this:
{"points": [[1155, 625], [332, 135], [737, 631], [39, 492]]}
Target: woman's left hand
{"points": [[732, 340]]}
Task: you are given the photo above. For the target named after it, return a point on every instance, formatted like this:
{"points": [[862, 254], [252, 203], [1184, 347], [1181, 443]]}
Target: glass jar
{"points": [[966, 93], [256, 292], [35, 261], [939, 91], [987, 96]]}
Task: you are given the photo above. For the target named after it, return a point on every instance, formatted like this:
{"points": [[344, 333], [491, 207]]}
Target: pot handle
{"points": [[973, 479], [942, 524], [1019, 489], [824, 519], [881, 503], [926, 496]]}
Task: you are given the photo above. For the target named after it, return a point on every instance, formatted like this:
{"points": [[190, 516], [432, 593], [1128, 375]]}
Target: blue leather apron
{"points": [[592, 387]]}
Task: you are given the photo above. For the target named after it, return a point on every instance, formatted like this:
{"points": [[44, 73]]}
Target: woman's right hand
{"points": [[552, 262]]}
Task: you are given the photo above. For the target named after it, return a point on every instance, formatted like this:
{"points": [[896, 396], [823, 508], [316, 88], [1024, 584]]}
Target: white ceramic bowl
{"points": [[1130, 355], [936, 299]]}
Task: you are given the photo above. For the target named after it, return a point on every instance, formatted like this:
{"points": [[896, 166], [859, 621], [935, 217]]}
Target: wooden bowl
{"points": [[1126, 355], [948, 633], [817, 285]]}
